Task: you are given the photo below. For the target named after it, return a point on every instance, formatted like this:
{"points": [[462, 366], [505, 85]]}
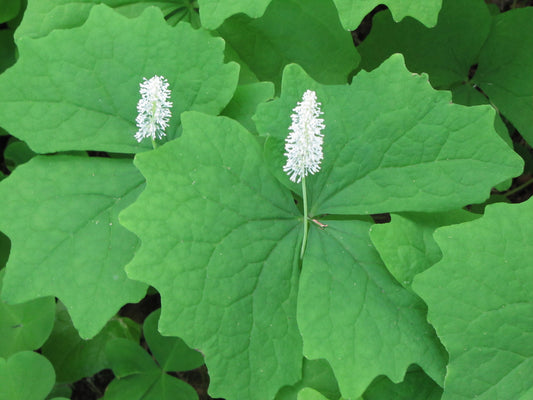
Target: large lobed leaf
{"points": [[219, 242], [481, 304], [392, 143], [79, 88], [60, 213]]}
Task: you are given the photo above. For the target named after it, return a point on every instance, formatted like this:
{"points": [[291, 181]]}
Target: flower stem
{"points": [[304, 240], [154, 144]]}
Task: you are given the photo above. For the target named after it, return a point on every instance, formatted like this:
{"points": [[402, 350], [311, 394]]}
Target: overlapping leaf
{"points": [[60, 213], [214, 12], [304, 32], [482, 61], [219, 242], [352, 12], [481, 304], [392, 143], [79, 88], [415, 386], [406, 244]]}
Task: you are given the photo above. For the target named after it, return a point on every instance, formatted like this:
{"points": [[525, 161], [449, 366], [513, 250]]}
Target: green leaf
{"points": [[152, 386], [214, 12], [352, 12], [293, 31], [219, 242], [316, 374], [7, 50], [442, 52], [73, 357], [245, 100], [406, 244], [60, 213], [355, 315], [25, 376], [16, 153], [415, 386], [391, 143], [140, 378], [310, 394], [77, 89], [480, 301], [171, 353], [129, 358], [25, 326], [509, 84], [43, 16], [9, 9]]}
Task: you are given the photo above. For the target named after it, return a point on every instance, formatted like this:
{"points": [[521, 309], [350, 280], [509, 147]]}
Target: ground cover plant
{"points": [[271, 199]]}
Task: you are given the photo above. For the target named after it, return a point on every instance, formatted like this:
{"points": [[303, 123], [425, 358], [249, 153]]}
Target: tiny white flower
{"points": [[303, 145], [153, 108]]}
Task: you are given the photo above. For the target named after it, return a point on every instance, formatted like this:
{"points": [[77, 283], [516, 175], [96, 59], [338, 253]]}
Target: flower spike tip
{"points": [[303, 145], [153, 108]]}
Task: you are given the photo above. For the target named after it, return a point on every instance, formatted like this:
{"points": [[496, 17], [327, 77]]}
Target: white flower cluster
{"points": [[153, 108], [304, 144]]}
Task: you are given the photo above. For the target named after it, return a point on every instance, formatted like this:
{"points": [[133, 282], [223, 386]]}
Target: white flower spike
{"points": [[153, 108], [304, 143]]}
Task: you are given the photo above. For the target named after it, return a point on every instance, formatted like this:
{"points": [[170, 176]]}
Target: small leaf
{"points": [[25, 376], [406, 244], [310, 394], [219, 242], [60, 213], [355, 315], [129, 358], [71, 88], [480, 301], [171, 353], [138, 377], [25, 326], [73, 357]]}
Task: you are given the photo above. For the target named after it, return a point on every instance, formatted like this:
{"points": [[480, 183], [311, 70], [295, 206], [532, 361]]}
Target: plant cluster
{"points": [[234, 183]]}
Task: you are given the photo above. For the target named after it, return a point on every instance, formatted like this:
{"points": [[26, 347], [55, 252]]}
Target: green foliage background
{"points": [[428, 120]]}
